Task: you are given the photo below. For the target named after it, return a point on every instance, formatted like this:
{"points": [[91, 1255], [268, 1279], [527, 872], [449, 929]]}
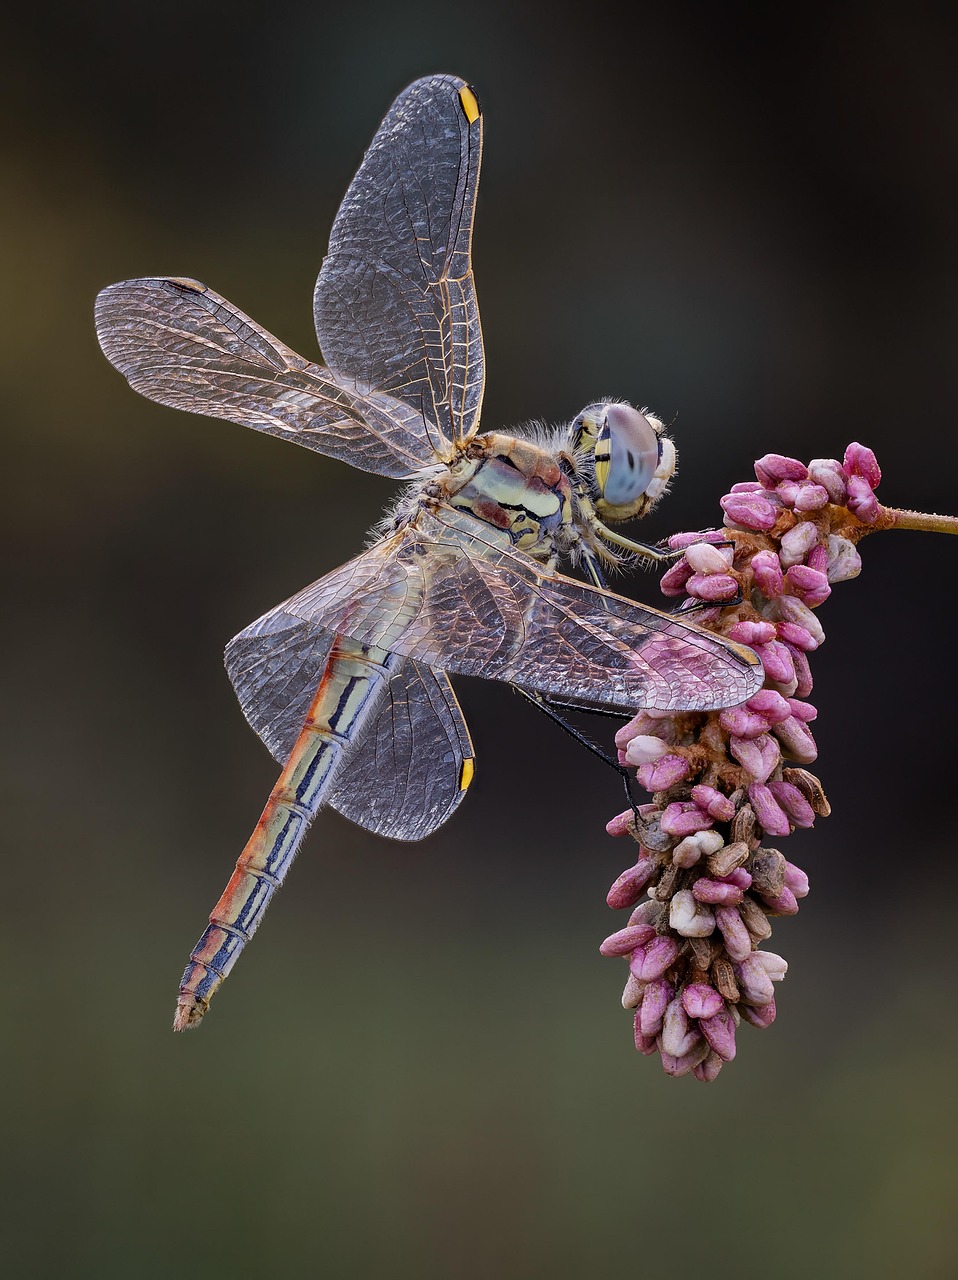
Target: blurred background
{"points": [[742, 216]]}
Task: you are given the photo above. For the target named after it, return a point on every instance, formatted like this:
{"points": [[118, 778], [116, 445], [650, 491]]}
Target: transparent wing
{"points": [[178, 342], [395, 302], [452, 593], [407, 773]]}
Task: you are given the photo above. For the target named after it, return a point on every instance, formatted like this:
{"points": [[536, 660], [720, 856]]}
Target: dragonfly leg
{"points": [[547, 708]]}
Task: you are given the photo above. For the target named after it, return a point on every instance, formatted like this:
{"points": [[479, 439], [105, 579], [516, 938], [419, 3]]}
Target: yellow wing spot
{"points": [[466, 771], [470, 105], [185, 283]]}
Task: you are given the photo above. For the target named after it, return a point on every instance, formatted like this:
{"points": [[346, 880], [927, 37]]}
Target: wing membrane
{"points": [[408, 772], [395, 302], [178, 342], [451, 592]]}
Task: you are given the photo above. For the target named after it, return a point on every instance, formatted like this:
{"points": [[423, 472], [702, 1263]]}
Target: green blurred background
{"points": [[741, 218]]}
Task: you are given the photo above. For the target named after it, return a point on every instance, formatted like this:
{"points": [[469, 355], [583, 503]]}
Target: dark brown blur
{"points": [[420, 1067]]}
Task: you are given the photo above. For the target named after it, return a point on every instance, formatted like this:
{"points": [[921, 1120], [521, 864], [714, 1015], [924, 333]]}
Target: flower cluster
{"points": [[725, 783]]}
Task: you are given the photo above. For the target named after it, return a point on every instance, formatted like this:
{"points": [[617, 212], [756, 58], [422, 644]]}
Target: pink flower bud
{"points": [[644, 748], [791, 609], [861, 461], [844, 562], [716, 892], [808, 584], [632, 992], [752, 632], [626, 940], [810, 497], [767, 570], [799, 811], [796, 880], [678, 1035], [719, 1032], [628, 888], [682, 819], [738, 944], [655, 1001], [773, 964], [708, 1068], [803, 711], [664, 773], [687, 918], [777, 661], [645, 1044], [773, 468], [750, 510], [679, 541], [803, 673], [861, 501], [761, 1016], [739, 877], [797, 742], [753, 982], [796, 636], [715, 804], [767, 810], [742, 723], [758, 756], [701, 1001], [621, 824], [712, 586], [818, 558], [652, 960], [672, 582], [784, 905], [706, 558], [771, 706], [797, 543], [673, 1066], [831, 476]]}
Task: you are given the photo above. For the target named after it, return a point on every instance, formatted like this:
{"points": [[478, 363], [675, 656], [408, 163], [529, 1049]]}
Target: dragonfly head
{"points": [[626, 460]]}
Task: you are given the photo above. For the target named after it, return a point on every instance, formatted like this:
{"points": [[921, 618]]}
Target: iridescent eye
{"points": [[633, 455]]}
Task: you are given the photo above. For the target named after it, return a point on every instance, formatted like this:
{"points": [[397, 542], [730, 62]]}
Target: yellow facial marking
{"points": [[465, 774], [470, 104]]}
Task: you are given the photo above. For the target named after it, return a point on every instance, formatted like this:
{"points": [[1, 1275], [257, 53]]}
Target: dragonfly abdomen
{"points": [[351, 686]]}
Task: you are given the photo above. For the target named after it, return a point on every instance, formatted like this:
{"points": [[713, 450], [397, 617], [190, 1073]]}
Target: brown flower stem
{"points": [[892, 518]]}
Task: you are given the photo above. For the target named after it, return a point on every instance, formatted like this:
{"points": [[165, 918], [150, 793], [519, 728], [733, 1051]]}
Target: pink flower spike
{"points": [[673, 1066], [796, 880], [758, 756], [738, 944], [752, 632], [750, 510], [773, 468], [719, 1031], [701, 1001], [655, 1001], [715, 804], [712, 586], [628, 887], [861, 461], [784, 905], [829, 473], [644, 1044], [808, 584], [626, 940], [684, 819], [810, 497], [716, 892], [652, 960], [672, 582], [861, 501], [662, 774], [799, 811], [797, 743], [767, 810], [798, 637], [777, 661], [761, 1015], [797, 543], [767, 570], [708, 1068]]}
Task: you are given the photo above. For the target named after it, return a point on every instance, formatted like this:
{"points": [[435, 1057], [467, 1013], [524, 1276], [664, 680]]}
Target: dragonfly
{"points": [[347, 682]]}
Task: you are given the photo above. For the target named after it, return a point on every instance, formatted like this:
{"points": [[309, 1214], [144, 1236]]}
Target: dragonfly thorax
{"points": [[518, 487]]}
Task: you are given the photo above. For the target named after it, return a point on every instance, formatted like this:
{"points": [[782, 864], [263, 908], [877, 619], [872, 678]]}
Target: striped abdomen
{"points": [[352, 684]]}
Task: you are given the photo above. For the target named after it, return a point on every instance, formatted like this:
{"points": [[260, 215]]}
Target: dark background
{"points": [[742, 218]]}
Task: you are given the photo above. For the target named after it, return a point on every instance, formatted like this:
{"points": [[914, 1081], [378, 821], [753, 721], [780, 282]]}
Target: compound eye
{"points": [[633, 455]]}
